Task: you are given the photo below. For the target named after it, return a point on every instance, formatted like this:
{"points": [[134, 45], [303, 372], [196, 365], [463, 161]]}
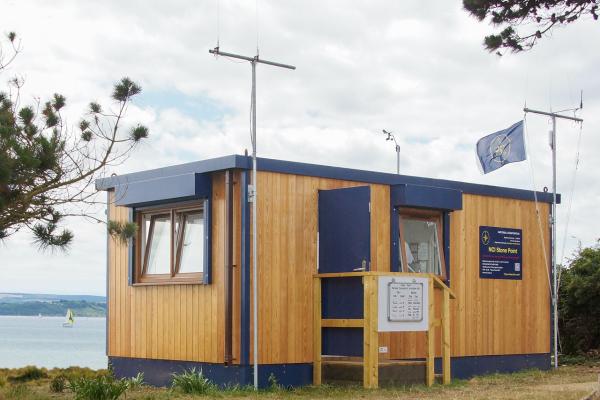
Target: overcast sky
{"points": [[412, 67]]}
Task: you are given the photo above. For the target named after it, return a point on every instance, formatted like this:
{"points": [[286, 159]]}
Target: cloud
{"points": [[415, 68]]}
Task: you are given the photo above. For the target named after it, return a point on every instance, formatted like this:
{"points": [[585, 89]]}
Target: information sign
{"points": [[500, 253], [403, 304]]}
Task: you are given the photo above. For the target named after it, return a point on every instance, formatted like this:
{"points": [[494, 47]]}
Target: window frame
{"points": [[142, 248], [422, 215]]}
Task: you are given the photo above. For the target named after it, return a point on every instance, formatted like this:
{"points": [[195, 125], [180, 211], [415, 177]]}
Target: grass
{"points": [[98, 388], [569, 382]]}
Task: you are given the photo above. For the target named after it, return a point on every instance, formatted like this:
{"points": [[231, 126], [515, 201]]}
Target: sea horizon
{"points": [[45, 343]]}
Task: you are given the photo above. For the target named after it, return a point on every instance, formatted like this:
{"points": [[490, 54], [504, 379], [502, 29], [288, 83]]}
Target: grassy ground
{"points": [[569, 382]]}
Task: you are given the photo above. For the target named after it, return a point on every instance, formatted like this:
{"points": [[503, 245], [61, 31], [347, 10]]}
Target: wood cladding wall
{"points": [[288, 218], [186, 322], [493, 316], [174, 322], [488, 317]]}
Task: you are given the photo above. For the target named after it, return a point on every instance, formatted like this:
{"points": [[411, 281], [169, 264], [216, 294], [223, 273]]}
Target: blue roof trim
{"points": [[426, 197], [323, 171], [210, 165], [162, 190]]}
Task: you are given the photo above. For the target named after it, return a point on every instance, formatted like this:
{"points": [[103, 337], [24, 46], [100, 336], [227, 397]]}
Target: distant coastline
{"points": [[51, 305]]}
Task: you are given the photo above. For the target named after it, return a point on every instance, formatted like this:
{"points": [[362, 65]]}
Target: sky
{"points": [[415, 68]]}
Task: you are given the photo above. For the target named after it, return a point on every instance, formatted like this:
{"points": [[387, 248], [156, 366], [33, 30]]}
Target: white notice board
{"points": [[403, 304]]}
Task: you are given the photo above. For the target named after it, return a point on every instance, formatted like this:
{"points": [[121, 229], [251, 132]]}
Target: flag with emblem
{"points": [[502, 147]]}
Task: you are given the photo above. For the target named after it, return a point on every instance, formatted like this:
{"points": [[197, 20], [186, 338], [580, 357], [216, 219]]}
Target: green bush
{"points": [[28, 373], [136, 382], [579, 299], [273, 383], [73, 373], [58, 384], [98, 388], [2, 381], [192, 382]]}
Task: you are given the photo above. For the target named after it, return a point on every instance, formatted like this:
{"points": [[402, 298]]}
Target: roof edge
{"points": [[324, 171]]}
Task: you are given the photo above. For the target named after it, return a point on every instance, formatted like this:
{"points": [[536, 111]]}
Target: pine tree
{"points": [[535, 17], [47, 169]]}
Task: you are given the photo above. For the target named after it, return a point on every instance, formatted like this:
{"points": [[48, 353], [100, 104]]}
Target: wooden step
{"points": [[381, 363], [345, 370]]}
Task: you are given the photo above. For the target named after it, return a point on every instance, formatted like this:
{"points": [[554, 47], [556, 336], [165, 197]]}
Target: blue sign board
{"points": [[500, 253]]}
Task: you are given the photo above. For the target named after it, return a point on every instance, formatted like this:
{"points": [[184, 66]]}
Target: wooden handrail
{"points": [[438, 283], [369, 324]]}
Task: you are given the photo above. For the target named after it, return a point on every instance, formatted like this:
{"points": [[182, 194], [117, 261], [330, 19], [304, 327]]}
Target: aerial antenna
{"points": [[218, 22], [554, 116], [252, 189]]}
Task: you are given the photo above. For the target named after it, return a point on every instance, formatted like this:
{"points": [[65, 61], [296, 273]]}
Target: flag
{"points": [[502, 147]]}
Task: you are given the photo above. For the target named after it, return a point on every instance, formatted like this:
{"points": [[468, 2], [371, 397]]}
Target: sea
{"points": [[43, 342]]}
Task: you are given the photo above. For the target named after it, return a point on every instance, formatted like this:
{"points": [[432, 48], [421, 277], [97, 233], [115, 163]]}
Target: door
{"points": [[344, 229], [344, 246]]}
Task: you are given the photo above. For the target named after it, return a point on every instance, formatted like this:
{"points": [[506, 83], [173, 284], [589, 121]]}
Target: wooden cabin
{"points": [[180, 293]]}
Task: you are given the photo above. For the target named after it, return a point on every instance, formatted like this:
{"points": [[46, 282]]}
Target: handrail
{"points": [[438, 283], [369, 324]]}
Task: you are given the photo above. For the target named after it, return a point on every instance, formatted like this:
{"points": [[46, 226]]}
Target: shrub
{"points": [[58, 384], [73, 373], [2, 381], [136, 382], [192, 382], [28, 373], [579, 296], [98, 388], [273, 383]]}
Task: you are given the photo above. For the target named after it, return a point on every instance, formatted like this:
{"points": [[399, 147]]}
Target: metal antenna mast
{"points": [[252, 192], [392, 137], [554, 116]]}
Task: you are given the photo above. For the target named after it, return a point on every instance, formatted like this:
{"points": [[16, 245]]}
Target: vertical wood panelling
{"points": [[172, 322], [186, 322], [288, 219], [492, 316]]}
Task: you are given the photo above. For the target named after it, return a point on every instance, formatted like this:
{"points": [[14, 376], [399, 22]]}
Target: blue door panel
{"points": [[344, 245], [342, 342], [342, 297], [344, 229]]}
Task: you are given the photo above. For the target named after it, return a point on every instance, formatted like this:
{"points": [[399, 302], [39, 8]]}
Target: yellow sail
{"points": [[70, 319]]}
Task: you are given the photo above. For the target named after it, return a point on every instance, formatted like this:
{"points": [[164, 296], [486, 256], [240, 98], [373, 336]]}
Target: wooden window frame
{"points": [[141, 260], [422, 215]]}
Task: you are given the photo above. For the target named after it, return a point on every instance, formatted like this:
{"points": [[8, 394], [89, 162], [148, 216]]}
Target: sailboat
{"points": [[70, 319]]}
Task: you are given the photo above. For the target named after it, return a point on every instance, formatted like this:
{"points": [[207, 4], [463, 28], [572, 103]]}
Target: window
{"points": [[421, 237], [172, 245]]}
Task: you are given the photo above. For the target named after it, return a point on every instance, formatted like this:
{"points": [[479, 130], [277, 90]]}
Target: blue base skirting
{"points": [[159, 372], [467, 367]]}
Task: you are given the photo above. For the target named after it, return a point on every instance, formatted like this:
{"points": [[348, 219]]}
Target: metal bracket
{"points": [[251, 193]]}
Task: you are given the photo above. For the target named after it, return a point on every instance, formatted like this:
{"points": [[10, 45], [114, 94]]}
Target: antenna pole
{"points": [[391, 137], [252, 193], [554, 116]]}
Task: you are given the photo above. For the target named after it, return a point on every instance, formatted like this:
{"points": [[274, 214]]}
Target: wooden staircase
{"points": [[372, 371]]}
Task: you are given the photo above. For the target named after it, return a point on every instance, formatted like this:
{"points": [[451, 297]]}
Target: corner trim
{"points": [[245, 272]]}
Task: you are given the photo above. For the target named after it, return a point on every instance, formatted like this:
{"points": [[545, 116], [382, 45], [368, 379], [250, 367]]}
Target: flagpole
{"points": [[554, 116]]}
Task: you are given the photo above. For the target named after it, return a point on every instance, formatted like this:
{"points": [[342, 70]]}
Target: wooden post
{"points": [[446, 377], [430, 362], [370, 334], [317, 356]]}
